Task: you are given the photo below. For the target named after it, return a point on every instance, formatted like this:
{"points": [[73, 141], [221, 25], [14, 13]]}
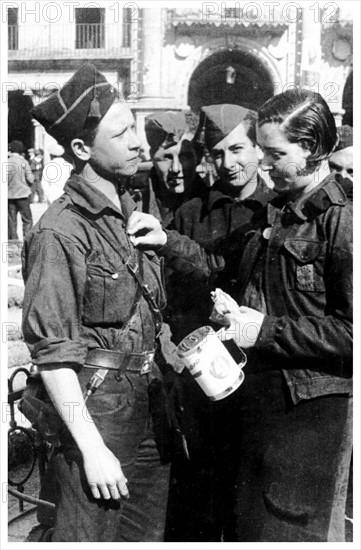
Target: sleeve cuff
{"points": [[60, 352], [266, 336], [168, 247]]}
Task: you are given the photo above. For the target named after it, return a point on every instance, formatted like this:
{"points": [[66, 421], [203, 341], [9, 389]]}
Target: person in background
{"points": [[292, 416], [230, 135], [55, 174], [204, 477], [37, 165], [341, 160], [172, 181], [173, 177], [91, 316], [20, 178]]}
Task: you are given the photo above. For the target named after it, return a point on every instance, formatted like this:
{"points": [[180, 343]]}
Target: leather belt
{"points": [[121, 361]]}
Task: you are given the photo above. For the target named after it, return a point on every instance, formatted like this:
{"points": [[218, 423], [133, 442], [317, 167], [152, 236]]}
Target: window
{"points": [[13, 29], [90, 31], [232, 13], [127, 29]]}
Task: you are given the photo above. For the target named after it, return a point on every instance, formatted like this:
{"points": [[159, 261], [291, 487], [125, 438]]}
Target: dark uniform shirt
{"points": [[79, 293], [208, 220]]}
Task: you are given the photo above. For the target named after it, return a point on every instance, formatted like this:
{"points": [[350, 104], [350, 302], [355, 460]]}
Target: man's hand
{"points": [[104, 474], [243, 326], [102, 469], [145, 231]]}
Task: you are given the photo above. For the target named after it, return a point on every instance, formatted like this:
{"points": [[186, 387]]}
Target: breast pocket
{"points": [[109, 294], [305, 265]]}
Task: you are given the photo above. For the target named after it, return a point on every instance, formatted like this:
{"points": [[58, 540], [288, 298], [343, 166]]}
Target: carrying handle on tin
{"points": [[244, 356]]}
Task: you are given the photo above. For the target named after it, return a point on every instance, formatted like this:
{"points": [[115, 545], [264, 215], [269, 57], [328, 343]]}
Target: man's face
{"points": [[341, 162], [115, 149], [176, 165], [236, 158], [285, 161]]}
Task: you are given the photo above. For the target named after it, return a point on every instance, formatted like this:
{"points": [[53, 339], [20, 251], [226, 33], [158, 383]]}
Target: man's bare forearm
{"points": [[102, 468], [65, 392]]}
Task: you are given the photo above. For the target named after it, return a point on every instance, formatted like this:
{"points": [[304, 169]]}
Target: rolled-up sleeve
{"points": [[54, 272]]}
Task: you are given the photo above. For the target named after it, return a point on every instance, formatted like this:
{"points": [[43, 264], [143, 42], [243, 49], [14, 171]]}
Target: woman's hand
{"points": [[146, 231], [242, 326]]}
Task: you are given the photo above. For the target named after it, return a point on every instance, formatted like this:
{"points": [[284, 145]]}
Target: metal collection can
{"points": [[210, 363]]}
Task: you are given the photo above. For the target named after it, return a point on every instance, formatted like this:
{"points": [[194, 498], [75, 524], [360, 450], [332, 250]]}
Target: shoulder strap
{"points": [[133, 263]]}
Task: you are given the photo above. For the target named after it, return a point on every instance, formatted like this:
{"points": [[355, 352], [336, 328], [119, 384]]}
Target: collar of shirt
{"points": [[259, 197], [88, 197], [307, 206]]}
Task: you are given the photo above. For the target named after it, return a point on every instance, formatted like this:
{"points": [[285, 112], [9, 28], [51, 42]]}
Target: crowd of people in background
{"points": [[258, 204]]}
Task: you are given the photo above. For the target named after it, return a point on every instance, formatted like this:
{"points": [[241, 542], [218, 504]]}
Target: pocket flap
{"points": [[304, 251]]}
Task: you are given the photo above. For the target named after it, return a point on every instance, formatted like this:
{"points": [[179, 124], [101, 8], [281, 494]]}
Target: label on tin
{"points": [[210, 363]]}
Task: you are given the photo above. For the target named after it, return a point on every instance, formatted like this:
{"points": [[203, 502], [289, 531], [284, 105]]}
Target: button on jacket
{"points": [[307, 285], [80, 294]]}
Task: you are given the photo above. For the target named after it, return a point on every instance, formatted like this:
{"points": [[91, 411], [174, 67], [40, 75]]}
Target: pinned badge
{"points": [[267, 233]]}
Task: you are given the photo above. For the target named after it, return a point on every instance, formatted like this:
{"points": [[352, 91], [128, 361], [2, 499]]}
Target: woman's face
{"points": [[285, 161]]}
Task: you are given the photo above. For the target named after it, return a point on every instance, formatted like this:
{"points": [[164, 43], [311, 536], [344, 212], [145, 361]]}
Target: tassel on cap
{"points": [[94, 111]]}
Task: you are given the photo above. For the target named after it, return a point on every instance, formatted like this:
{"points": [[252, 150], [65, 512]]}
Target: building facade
{"points": [[178, 58]]}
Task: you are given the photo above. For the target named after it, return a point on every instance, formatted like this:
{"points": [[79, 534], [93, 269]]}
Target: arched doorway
{"points": [[20, 124], [347, 101], [230, 77]]}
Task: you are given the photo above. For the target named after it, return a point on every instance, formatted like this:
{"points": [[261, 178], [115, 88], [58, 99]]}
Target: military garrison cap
{"points": [[164, 125], [219, 121], [82, 102]]}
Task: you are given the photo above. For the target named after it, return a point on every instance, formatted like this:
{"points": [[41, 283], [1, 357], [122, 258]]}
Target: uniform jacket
{"points": [[207, 219], [78, 291], [307, 285], [20, 177]]}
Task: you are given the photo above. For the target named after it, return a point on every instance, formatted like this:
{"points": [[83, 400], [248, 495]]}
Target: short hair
{"points": [[250, 121], [88, 132], [305, 118], [87, 135], [16, 146]]}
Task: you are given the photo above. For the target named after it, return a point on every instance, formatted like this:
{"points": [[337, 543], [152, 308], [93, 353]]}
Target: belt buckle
{"points": [[148, 362]]}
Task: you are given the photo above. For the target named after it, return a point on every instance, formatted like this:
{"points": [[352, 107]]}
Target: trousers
{"points": [[129, 416], [22, 206], [293, 464]]}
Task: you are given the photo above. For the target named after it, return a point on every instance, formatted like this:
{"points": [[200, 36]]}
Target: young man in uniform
{"points": [[173, 177], [91, 317], [204, 478]]}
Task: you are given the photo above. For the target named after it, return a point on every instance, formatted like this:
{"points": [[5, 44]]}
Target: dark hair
{"points": [[88, 133], [16, 146], [305, 118], [250, 120]]}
